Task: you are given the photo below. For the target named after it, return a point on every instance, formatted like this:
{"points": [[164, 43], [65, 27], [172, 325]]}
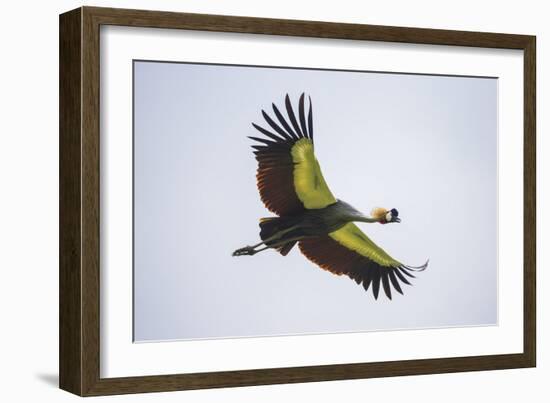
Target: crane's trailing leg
{"points": [[250, 250], [273, 231], [245, 251]]}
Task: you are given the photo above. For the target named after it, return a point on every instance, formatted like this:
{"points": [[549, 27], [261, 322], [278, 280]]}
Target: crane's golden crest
{"points": [[379, 213]]}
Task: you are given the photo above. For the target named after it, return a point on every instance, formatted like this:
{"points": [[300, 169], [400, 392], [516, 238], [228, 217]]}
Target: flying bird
{"points": [[292, 186]]}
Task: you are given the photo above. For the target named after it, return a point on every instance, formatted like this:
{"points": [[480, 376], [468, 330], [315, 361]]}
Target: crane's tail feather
{"points": [[283, 250]]}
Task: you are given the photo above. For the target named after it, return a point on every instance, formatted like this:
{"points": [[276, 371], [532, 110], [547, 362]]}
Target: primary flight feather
{"points": [[292, 186]]}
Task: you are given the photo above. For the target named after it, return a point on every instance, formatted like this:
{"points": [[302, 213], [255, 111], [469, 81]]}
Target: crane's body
{"points": [[292, 186], [328, 219], [287, 230]]}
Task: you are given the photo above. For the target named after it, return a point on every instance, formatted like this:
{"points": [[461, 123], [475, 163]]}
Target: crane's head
{"points": [[385, 216], [392, 216]]}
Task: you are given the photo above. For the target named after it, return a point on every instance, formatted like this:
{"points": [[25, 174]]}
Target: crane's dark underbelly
{"points": [[323, 221]]}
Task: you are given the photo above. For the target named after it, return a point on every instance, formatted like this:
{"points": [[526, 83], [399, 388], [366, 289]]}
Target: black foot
{"points": [[246, 251]]}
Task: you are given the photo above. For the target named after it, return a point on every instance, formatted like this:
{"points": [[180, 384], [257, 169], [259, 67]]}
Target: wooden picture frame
{"points": [[79, 201]]}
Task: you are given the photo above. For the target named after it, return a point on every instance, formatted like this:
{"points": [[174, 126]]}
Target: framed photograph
{"points": [[248, 201]]}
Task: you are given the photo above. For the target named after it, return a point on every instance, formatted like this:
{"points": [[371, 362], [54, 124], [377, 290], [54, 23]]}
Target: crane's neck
{"points": [[363, 218], [351, 214]]}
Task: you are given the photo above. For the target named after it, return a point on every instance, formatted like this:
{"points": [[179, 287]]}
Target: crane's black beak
{"points": [[396, 219]]}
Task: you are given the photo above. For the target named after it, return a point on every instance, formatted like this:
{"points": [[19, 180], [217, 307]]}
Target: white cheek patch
{"points": [[388, 216]]}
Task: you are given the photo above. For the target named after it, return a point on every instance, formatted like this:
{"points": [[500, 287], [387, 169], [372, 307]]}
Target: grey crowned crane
{"points": [[292, 186]]}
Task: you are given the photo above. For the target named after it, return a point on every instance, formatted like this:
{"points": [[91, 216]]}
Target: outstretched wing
{"points": [[349, 251], [289, 177]]}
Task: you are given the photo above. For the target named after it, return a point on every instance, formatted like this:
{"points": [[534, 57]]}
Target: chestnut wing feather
{"points": [[359, 259]]}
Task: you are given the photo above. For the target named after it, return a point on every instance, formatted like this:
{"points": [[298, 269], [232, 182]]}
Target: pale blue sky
{"points": [[425, 145]]}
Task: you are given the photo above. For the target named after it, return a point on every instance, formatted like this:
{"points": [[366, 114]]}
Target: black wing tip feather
{"points": [[291, 129], [419, 268], [389, 278]]}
